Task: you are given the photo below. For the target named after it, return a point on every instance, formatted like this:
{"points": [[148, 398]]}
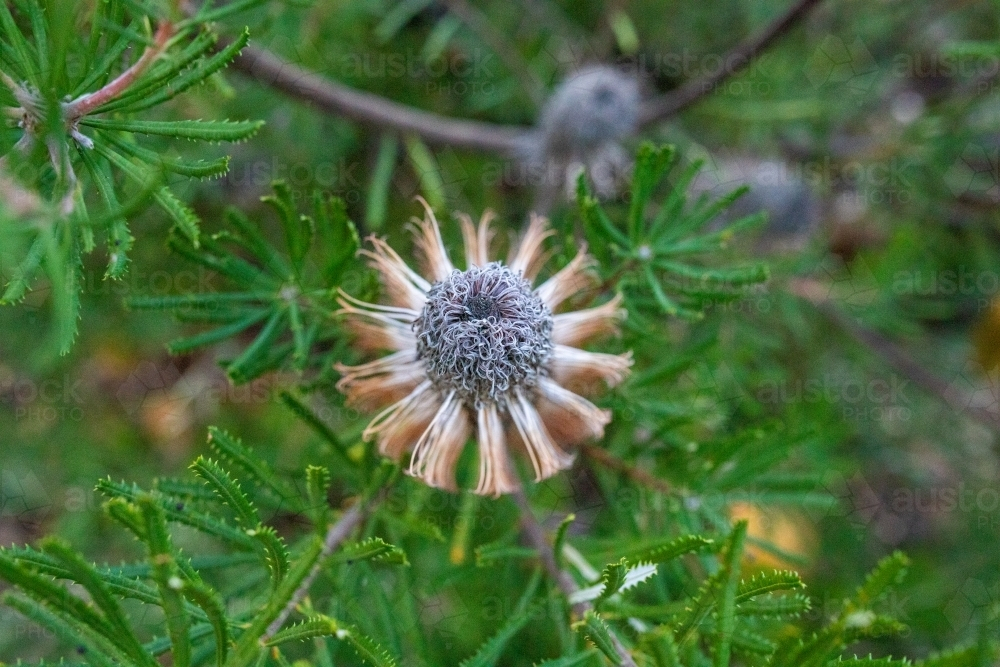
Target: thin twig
{"points": [[897, 357], [88, 102], [609, 460], [371, 109], [374, 110], [735, 61], [536, 535], [337, 534]]}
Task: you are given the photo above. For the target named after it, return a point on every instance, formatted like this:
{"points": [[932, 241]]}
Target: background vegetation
{"points": [[846, 407]]}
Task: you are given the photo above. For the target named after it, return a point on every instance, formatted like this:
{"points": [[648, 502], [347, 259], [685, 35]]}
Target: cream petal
{"points": [[439, 447], [571, 279], [529, 258], [428, 240], [496, 474], [376, 336], [477, 240], [398, 427], [545, 455], [572, 367], [580, 326], [397, 278], [380, 382], [351, 306], [383, 248], [569, 418]]}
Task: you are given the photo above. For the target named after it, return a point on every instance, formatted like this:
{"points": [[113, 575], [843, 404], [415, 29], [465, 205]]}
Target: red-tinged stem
{"points": [[87, 103]]}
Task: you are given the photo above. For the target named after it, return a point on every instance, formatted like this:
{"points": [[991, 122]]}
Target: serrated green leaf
{"points": [[198, 169], [227, 489], [613, 578], [888, 573], [213, 131], [489, 653], [374, 548], [195, 75], [667, 550], [167, 577], [596, 631], [767, 582], [726, 618]]}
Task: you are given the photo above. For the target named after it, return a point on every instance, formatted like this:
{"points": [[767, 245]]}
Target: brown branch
{"points": [[735, 61], [335, 536], [374, 110], [608, 460], [895, 356], [537, 537], [87, 103]]}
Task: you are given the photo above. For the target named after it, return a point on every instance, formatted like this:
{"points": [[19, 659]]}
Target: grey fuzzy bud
{"points": [[594, 106], [483, 332], [582, 127]]}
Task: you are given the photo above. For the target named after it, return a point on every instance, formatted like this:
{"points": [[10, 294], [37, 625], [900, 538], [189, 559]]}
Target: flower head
{"points": [[479, 352]]}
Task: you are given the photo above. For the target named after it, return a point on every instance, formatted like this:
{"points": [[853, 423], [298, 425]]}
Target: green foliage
{"points": [[653, 257], [199, 624], [685, 594], [644, 529], [75, 99], [289, 294]]}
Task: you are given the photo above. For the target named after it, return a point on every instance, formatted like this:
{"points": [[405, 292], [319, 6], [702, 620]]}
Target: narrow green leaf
{"points": [[651, 163], [235, 452], [337, 235], [212, 605], [767, 582], [178, 512], [317, 490], [378, 187], [726, 621], [613, 578], [21, 54], [213, 131], [427, 170], [888, 573], [309, 629], [195, 75], [198, 169], [87, 576], [227, 489], [665, 551], [213, 336], [489, 653], [560, 539], [164, 70], [24, 273], [184, 218], [594, 630], [168, 579], [375, 549], [246, 367], [98, 651]]}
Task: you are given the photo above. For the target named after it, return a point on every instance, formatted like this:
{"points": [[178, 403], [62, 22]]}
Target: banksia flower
{"points": [[479, 353]]}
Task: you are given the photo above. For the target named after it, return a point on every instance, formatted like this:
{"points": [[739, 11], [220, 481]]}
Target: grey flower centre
{"points": [[483, 332]]}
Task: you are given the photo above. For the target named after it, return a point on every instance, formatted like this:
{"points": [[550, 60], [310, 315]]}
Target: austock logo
{"points": [[24, 503], [975, 173], [836, 62]]}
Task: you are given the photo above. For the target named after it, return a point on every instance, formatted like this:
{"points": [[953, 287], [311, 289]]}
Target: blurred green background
{"points": [[869, 132]]}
